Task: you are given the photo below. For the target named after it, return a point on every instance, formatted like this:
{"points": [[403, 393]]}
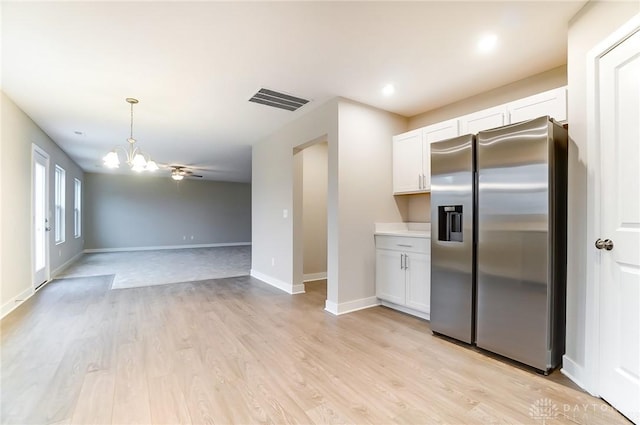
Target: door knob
{"points": [[606, 244]]}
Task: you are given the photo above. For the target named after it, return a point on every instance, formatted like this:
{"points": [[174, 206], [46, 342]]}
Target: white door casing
{"points": [[613, 296], [40, 216]]}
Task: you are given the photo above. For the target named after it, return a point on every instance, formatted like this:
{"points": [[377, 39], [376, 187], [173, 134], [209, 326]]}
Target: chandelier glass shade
{"points": [[134, 157]]}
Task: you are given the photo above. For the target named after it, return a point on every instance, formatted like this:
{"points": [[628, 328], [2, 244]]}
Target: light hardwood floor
{"points": [[236, 351]]}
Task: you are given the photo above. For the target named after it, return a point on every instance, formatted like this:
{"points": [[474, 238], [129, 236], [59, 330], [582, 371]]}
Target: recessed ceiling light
{"points": [[487, 43], [388, 90]]}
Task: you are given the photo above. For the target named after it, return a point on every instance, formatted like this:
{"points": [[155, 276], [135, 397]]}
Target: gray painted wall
{"points": [[143, 211], [18, 134]]}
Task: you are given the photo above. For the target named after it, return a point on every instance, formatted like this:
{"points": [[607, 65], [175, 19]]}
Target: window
{"points": [[77, 208], [59, 204]]}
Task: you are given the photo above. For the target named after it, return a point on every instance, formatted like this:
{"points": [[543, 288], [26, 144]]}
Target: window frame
{"points": [[59, 204], [77, 208]]}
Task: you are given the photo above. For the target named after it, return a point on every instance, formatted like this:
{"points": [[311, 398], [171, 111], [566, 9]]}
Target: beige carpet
{"points": [[147, 268]]}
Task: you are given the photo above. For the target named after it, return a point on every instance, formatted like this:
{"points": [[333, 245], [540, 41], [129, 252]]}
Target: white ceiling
{"points": [[194, 65]]}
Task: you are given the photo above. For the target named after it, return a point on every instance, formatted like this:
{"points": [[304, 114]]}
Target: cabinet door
{"points": [[483, 120], [390, 277], [552, 103], [407, 162], [433, 133], [418, 276]]}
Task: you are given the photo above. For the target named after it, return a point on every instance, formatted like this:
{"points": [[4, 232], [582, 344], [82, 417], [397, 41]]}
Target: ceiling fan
{"points": [[179, 172]]}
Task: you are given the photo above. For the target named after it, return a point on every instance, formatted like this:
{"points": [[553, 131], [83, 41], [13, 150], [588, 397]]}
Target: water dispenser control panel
{"points": [[450, 223]]}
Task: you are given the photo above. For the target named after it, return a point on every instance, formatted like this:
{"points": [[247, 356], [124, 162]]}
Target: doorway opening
{"points": [[40, 217], [310, 217]]}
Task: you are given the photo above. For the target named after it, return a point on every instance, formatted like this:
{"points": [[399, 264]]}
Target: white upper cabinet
{"points": [[411, 156], [484, 120], [441, 131], [407, 162], [552, 103], [412, 150], [434, 133]]}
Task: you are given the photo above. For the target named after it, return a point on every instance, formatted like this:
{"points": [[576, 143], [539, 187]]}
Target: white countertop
{"points": [[406, 233], [412, 230]]}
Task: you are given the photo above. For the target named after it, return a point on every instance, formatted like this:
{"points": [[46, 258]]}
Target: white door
{"points": [[619, 115], [40, 217]]}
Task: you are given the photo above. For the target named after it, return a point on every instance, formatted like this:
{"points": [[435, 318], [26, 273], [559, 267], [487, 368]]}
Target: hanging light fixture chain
{"points": [[137, 160], [131, 128]]}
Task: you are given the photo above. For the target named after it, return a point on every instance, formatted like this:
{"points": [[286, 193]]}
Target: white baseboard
{"points": [[573, 371], [156, 248], [277, 283], [311, 277], [350, 306], [14, 302], [420, 314], [67, 264]]}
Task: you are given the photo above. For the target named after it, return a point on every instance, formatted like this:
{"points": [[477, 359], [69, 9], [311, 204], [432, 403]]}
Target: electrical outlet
{"points": [[191, 237], [285, 213], [273, 261], [184, 237]]}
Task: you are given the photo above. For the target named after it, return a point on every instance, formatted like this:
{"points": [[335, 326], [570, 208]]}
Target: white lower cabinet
{"points": [[403, 273], [418, 281], [390, 276]]}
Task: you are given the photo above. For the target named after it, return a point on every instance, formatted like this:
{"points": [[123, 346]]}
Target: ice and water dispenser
{"points": [[450, 223]]}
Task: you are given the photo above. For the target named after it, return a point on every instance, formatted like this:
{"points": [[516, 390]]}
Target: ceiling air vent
{"points": [[278, 100]]}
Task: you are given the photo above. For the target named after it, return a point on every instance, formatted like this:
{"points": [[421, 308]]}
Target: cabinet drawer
{"points": [[401, 243]]}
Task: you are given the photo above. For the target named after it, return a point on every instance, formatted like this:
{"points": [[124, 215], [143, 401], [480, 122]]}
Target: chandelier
{"points": [[135, 158]]}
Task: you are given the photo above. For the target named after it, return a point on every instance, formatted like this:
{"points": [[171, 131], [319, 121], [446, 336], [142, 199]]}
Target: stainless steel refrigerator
{"points": [[498, 242]]}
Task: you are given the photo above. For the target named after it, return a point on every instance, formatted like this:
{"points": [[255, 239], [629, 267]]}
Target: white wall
{"points": [[272, 192], [358, 195], [365, 190], [589, 27], [418, 208], [314, 209], [132, 211], [18, 133]]}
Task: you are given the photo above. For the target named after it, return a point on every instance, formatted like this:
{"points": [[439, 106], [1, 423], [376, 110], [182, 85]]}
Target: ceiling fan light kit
{"points": [[135, 158], [179, 172], [175, 174]]}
